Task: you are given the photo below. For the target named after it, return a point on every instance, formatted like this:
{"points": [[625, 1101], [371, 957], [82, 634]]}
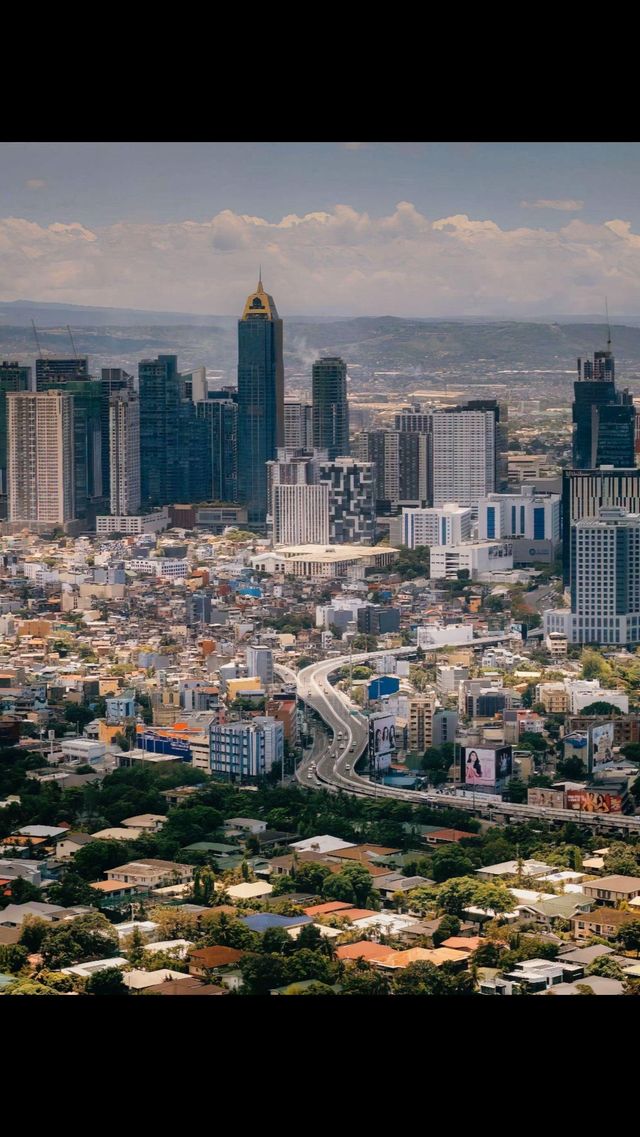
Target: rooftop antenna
{"points": [[260, 289], [35, 332], [72, 343], [606, 308]]}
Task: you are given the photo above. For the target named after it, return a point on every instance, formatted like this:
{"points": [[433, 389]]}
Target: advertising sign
{"points": [[519, 630], [157, 744], [553, 799], [382, 735], [484, 767], [602, 756], [592, 801]]}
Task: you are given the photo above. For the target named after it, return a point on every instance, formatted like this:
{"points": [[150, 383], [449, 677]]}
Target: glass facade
{"points": [[260, 400]]}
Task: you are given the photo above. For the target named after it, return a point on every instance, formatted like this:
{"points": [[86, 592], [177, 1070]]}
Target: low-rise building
{"points": [[151, 873], [605, 922], [612, 890]]}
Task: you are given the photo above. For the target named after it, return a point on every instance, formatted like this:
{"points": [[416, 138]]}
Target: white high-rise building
{"points": [[40, 458], [605, 581], [246, 749], [260, 663], [464, 456], [450, 525], [124, 450], [300, 515]]}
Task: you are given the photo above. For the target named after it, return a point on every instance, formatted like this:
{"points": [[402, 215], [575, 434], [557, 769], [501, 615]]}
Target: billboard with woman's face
{"points": [[382, 735], [484, 767]]}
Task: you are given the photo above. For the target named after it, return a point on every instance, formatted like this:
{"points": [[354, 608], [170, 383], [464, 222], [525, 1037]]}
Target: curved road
{"points": [[332, 761]]}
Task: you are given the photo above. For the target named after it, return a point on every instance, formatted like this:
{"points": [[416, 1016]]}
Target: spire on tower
{"points": [[260, 288]]}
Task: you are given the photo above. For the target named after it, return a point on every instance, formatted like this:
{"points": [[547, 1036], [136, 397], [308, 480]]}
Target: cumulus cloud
{"points": [[35, 183], [565, 204], [339, 262]]}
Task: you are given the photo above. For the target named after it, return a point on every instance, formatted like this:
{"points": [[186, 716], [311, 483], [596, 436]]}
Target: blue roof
{"points": [[263, 920]]}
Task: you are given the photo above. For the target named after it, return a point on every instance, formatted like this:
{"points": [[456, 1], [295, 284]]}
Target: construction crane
{"points": [[35, 332], [72, 343]]}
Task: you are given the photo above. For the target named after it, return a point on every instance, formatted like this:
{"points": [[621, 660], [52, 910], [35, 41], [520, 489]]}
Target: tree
{"points": [[601, 708], [621, 860], [134, 946], [449, 926], [450, 862], [631, 751], [353, 884], [315, 988], [70, 890], [33, 931], [629, 936], [106, 982], [572, 768], [276, 941], [606, 967], [311, 938], [261, 973], [455, 895], [22, 891], [13, 957], [362, 979], [424, 978], [595, 667], [77, 941]]}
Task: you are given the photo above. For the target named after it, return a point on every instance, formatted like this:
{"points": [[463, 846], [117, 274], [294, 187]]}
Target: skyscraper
{"points": [[260, 399], [173, 439], [605, 581], [51, 372], [71, 376], [464, 456], [401, 464], [300, 514], [13, 377], [352, 515], [586, 492], [112, 380], [603, 418], [220, 416], [40, 460], [330, 407], [124, 459], [298, 426]]}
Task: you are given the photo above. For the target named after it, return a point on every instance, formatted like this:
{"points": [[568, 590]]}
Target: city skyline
{"points": [[406, 229]]}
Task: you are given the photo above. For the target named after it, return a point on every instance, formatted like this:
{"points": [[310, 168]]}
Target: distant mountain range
{"points": [[472, 348]]}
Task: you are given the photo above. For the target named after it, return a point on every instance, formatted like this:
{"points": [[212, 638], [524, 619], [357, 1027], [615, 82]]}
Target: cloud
{"points": [[35, 183], [339, 261], [565, 204]]}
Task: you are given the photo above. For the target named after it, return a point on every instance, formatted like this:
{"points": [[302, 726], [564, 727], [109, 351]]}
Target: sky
{"points": [[340, 228]]}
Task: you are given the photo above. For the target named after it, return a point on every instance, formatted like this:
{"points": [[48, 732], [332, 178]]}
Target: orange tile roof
{"points": [[357, 913], [463, 943], [363, 949], [110, 885], [325, 909]]}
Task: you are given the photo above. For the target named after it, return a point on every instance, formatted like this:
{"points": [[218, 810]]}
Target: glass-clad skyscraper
{"points": [[260, 400]]}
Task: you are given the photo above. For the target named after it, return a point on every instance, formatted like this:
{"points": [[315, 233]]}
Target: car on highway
{"points": [[347, 767], [309, 775]]}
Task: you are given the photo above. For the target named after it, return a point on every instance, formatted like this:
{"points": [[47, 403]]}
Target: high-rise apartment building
{"points": [[289, 468], [401, 465], [260, 662], [330, 406], [124, 456], [604, 581], [298, 426], [112, 380], [420, 725], [72, 377], [528, 514], [603, 418], [40, 459], [464, 456], [351, 500], [415, 421], [260, 399], [13, 377], [449, 525], [300, 514]]}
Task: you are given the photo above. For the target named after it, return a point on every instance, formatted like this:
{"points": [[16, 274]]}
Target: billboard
{"points": [[160, 744], [382, 738], [592, 801], [602, 756], [484, 767], [553, 799], [519, 630]]}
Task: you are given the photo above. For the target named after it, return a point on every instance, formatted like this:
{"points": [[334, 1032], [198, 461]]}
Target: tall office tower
{"points": [[221, 418], [71, 376], [246, 749], [174, 446], [330, 406], [603, 418], [586, 492], [605, 581], [421, 711], [298, 426], [52, 372], [351, 499], [124, 457], [112, 380], [464, 456], [40, 459], [401, 465], [300, 514], [260, 662], [13, 377], [260, 400], [450, 525]]}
